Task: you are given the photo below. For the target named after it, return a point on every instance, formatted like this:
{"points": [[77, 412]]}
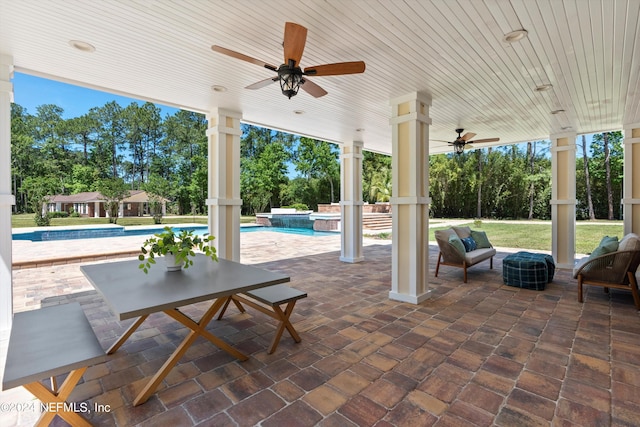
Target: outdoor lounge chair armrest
{"points": [[599, 262], [450, 253]]}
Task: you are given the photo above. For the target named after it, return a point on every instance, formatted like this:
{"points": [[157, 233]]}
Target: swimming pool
{"points": [[99, 232]]}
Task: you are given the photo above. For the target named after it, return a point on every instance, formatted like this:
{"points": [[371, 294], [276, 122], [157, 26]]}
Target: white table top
{"points": [[48, 342], [132, 293]]}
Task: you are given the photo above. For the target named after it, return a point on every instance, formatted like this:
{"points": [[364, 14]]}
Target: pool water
{"points": [[98, 232]]}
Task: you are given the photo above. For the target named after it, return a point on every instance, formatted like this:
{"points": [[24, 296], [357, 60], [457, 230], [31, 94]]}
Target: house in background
{"points": [[92, 204]]}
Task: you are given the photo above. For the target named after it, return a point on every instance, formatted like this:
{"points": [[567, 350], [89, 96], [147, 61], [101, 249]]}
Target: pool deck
{"points": [[476, 353], [29, 254]]}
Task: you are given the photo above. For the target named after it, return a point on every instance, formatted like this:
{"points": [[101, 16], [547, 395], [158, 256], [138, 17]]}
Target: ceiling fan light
{"points": [[458, 146], [290, 82]]}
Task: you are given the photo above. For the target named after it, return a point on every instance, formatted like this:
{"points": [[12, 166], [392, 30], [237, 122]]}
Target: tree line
{"points": [[514, 182], [113, 149]]}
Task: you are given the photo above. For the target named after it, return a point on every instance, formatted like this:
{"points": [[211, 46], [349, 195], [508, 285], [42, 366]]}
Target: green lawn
{"points": [[538, 236]]}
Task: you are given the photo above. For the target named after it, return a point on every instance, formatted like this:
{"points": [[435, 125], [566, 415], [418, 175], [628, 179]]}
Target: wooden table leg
{"points": [[226, 304], [197, 329], [283, 316], [58, 400], [127, 334]]}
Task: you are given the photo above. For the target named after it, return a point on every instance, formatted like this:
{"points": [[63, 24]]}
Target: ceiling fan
{"points": [[290, 74], [465, 140]]}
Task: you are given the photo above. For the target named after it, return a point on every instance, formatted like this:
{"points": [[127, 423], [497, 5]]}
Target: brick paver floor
{"points": [[477, 354]]}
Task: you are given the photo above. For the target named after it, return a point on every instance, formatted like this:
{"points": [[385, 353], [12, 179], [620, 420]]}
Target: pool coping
{"points": [[49, 262]]}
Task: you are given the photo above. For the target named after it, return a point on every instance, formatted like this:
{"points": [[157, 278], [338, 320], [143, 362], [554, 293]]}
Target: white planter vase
{"points": [[172, 264]]}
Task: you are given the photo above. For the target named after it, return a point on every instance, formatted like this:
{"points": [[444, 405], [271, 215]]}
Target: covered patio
{"points": [[476, 354], [417, 346]]}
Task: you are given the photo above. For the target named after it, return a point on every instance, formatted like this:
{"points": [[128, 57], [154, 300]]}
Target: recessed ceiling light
{"points": [[514, 36], [298, 112], [82, 46], [218, 88], [557, 111], [543, 88]]}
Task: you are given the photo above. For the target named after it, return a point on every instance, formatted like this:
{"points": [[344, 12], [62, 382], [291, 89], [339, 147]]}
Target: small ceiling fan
{"points": [[465, 140], [290, 74]]}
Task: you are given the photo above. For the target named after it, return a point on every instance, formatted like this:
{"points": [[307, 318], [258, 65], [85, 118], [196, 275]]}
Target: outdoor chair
{"points": [[462, 247], [611, 268]]}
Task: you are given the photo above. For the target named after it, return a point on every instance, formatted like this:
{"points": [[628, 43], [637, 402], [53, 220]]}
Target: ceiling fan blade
{"points": [[262, 83], [467, 136], [313, 89], [295, 37], [336, 69], [475, 141], [238, 55]]}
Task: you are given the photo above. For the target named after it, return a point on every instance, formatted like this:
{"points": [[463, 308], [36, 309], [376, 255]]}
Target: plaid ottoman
{"points": [[528, 270]]}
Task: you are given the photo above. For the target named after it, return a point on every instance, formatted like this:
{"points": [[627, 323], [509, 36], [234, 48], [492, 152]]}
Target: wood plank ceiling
{"points": [[453, 50]]}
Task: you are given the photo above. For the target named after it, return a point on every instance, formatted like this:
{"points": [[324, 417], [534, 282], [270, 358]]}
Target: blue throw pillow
{"points": [[469, 244]]}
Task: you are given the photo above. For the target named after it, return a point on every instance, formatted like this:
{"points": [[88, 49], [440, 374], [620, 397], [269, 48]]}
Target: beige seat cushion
{"points": [[582, 261], [478, 255]]}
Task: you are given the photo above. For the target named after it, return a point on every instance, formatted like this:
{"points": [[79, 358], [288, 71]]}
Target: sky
{"points": [[30, 92]]}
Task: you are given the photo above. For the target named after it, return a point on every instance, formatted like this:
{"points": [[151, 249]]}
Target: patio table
{"points": [[133, 294]]}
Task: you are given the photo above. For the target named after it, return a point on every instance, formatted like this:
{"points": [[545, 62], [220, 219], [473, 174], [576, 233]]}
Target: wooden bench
{"points": [[46, 343], [272, 297]]}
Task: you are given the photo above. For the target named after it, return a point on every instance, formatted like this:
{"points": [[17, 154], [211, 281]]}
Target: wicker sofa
{"points": [[456, 254], [611, 268]]}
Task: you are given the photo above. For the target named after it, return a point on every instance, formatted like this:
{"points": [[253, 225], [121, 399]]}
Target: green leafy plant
{"points": [[180, 244]]}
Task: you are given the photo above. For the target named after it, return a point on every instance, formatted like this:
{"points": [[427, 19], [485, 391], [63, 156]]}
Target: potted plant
{"points": [[177, 248]]}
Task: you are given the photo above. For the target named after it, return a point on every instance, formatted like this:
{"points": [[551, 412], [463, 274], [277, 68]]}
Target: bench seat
{"points": [[48, 342], [268, 301]]}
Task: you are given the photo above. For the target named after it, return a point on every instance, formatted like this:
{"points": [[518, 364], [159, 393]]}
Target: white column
{"points": [[351, 202], [631, 199], [96, 209], [224, 200], [563, 199], [410, 202], [121, 210], [7, 200]]}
